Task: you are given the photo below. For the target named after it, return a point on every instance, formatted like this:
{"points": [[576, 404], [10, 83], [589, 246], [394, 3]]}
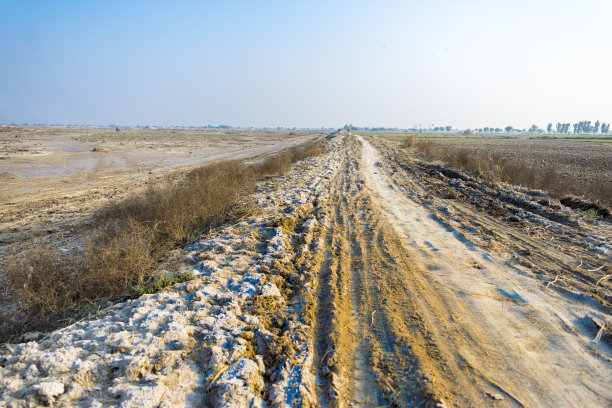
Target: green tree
{"points": [[508, 129], [596, 127], [448, 128], [549, 128]]}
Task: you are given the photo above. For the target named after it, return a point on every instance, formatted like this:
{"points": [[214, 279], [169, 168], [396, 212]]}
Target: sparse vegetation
{"points": [[128, 239], [495, 167], [591, 213], [155, 284]]}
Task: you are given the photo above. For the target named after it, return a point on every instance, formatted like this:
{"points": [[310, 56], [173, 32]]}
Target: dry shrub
{"points": [[47, 284], [41, 279], [424, 146], [410, 141], [174, 213], [497, 168], [118, 257], [129, 239], [282, 162]]}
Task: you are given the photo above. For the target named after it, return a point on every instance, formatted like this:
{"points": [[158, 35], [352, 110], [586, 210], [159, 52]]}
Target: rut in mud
{"points": [[370, 278], [412, 312], [367, 331]]}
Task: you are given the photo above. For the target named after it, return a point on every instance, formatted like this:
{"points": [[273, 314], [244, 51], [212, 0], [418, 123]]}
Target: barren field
{"points": [[574, 156], [588, 160], [53, 178], [369, 276]]}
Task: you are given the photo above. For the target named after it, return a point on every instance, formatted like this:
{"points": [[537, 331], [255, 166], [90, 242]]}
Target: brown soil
{"points": [[422, 285], [426, 300], [53, 179], [589, 161]]}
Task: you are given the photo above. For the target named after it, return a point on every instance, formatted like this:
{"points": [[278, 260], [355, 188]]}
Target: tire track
{"points": [[364, 354], [477, 328]]}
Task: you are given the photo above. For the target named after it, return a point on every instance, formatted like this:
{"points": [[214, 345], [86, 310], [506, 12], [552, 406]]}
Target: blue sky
{"points": [[470, 63]]}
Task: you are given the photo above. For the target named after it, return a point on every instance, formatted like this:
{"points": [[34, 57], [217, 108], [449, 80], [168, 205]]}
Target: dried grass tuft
{"points": [[603, 278], [497, 168], [128, 239]]}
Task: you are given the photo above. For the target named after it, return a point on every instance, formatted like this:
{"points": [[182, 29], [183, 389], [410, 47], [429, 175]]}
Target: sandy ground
{"points": [[235, 337], [490, 321], [371, 277], [50, 178]]}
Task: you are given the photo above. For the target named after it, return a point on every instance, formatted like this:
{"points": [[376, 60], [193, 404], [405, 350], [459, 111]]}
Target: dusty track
{"points": [[410, 312], [371, 278], [368, 333]]}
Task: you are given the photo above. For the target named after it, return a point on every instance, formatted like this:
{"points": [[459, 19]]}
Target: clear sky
{"points": [[470, 63]]}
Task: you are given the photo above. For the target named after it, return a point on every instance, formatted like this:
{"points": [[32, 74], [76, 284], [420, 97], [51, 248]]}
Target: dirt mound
{"points": [[578, 203]]}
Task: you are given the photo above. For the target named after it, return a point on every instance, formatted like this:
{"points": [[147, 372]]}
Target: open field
{"points": [[41, 161], [579, 157], [51, 179], [585, 160], [370, 276]]}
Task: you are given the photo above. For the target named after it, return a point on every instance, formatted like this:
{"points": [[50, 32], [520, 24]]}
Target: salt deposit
{"points": [[213, 340]]}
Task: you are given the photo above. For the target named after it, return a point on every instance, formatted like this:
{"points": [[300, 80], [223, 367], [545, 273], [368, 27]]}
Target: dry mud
{"points": [[572, 159], [369, 278], [53, 179]]}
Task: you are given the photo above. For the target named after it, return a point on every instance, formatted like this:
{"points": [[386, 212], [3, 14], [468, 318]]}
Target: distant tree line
{"points": [[584, 127], [562, 127], [442, 129], [351, 127]]}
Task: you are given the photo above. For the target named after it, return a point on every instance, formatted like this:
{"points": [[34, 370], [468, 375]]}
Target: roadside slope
{"points": [[232, 337], [499, 332]]}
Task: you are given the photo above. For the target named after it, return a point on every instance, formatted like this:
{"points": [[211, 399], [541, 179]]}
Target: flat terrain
{"points": [[369, 277], [588, 160], [50, 178], [585, 157]]}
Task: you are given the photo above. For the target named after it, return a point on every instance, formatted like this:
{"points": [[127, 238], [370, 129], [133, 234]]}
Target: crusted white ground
{"points": [[347, 275], [204, 342]]}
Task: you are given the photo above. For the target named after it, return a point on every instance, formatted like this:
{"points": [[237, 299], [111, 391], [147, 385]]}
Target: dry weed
{"points": [[129, 239], [497, 168]]}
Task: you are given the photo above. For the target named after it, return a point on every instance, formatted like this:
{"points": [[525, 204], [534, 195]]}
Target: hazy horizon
{"points": [[402, 64]]}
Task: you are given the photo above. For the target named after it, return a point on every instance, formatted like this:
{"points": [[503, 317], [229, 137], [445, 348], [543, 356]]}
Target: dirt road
{"points": [[372, 277], [364, 347], [411, 312]]}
